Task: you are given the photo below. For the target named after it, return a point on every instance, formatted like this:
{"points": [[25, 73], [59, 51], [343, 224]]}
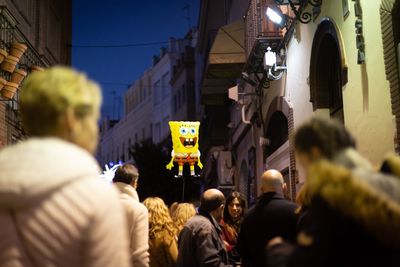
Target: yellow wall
{"points": [[366, 96]]}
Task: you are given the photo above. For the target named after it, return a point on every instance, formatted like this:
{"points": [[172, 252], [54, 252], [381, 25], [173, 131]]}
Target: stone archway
{"points": [[390, 25], [280, 153]]}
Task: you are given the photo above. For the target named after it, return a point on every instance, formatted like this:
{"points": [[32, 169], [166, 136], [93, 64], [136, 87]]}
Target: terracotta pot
{"points": [[17, 49], [9, 63], [9, 90], [36, 68], [18, 76], [3, 54], [3, 82]]}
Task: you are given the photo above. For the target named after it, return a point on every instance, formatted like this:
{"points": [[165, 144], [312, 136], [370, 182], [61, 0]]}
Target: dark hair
{"points": [[233, 195], [212, 202], [328, 135], [126, 173]]}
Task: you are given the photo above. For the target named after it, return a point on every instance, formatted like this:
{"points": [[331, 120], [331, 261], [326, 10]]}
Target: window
{"points": [[183, 95], [326, 71], [144, 93], [136, 138], [141, 94], [151, 131], [143, 133], [175, 104], [165, 126], [165, 85], [157, 132], [123, 152], [117, 156], [157, 93], [179, 99], [129, 148]]}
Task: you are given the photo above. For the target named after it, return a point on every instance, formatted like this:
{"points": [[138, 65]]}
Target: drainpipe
{"points": [[248, 123], [244, 116]]}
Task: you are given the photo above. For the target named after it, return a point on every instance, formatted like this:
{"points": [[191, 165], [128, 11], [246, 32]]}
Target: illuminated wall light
{"points": [[274, 16]]}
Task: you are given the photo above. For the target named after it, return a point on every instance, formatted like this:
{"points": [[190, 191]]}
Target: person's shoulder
{"points": [[198, 222]]}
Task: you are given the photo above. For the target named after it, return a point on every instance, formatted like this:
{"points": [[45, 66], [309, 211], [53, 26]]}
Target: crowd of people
{"points": [[55, 211]]}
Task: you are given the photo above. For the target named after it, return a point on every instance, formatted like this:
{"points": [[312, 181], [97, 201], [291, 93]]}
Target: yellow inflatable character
{"points": [[185, 145]]}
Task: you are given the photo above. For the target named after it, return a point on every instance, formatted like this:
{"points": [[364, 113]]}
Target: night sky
{"points": [[124, 22]]}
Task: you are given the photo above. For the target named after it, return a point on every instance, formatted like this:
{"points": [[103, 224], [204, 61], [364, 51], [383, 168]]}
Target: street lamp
{"points": [[274, 71], [274, 16]]}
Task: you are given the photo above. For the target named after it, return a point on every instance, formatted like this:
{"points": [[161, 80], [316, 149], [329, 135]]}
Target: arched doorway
{"points": [[279, 153], [327, 74], [277, 132]]}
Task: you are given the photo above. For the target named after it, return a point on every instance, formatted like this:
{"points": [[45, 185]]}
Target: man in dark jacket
{"points": [[200, 242], [272, 216]]}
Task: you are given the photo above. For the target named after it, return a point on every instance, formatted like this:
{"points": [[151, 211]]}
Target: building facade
{"points": [[44, 27], [149, 104], [341, 63]]}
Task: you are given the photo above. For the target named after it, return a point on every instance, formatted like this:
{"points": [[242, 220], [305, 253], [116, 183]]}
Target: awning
{"points": [[227, 54]]}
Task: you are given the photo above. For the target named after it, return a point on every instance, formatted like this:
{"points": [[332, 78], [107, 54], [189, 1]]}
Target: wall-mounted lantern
{"points": [[274, 72]]}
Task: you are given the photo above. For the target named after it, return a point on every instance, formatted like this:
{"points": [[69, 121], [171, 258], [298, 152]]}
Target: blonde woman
{"points": [[182, 214], [54, 210], [163, 248]]}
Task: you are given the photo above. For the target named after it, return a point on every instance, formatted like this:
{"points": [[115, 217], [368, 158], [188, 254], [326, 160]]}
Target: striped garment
{"points": [[55, 211]]}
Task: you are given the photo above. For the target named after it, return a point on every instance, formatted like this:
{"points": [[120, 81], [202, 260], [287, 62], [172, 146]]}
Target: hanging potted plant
{"points": [[18, 75], [9, 63], [2, 83], [3, 54], [36, 68], [18, 49], [9, 90]]}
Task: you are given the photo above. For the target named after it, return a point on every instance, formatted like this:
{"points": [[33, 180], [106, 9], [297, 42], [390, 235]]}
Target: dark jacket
{"points": [[200, 243], [354, 220], [272, 216]]}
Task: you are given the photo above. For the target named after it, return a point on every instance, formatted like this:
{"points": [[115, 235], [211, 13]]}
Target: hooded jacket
{"points": [[138, 224], [55, 211], [355, 217]]}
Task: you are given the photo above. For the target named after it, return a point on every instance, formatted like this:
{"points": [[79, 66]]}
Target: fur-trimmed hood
{"points": [[371, 199]]}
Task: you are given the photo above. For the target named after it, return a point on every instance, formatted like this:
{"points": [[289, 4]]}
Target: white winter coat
{"points": [[138, 224], [55, 211]]}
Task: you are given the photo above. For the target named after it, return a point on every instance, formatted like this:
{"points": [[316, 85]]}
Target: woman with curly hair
{"points": [[162, 242], [182, 214]]}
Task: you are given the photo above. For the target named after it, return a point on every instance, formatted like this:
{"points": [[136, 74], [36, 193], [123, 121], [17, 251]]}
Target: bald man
{"points": [[200, 242], [272, 216]]}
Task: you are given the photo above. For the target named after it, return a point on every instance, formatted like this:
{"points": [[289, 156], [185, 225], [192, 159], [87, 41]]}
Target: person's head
{"points": [[235, 206], [63, 103], [272, 181], [321, 138], [183, 212], [127, 174], [212, 201], [159, 218], [172, 208]]}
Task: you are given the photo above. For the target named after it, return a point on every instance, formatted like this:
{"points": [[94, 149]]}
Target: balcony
{"points": [[9, 32], [262, 33]]}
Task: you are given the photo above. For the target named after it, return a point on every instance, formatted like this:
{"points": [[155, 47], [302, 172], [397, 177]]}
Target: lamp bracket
{"points": [[296, 6]]}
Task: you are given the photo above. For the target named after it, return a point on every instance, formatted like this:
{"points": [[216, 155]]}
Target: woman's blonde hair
{"points": [[182, 214], [46, 96], [159, 218]]}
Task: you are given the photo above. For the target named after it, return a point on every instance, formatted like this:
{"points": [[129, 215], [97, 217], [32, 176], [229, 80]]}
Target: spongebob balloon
{"points": [[185, 145]]}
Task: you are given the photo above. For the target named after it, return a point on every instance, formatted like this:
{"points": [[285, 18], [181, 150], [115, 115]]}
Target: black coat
{"points": [[272, 216], [336, 240], [200, 243]]}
